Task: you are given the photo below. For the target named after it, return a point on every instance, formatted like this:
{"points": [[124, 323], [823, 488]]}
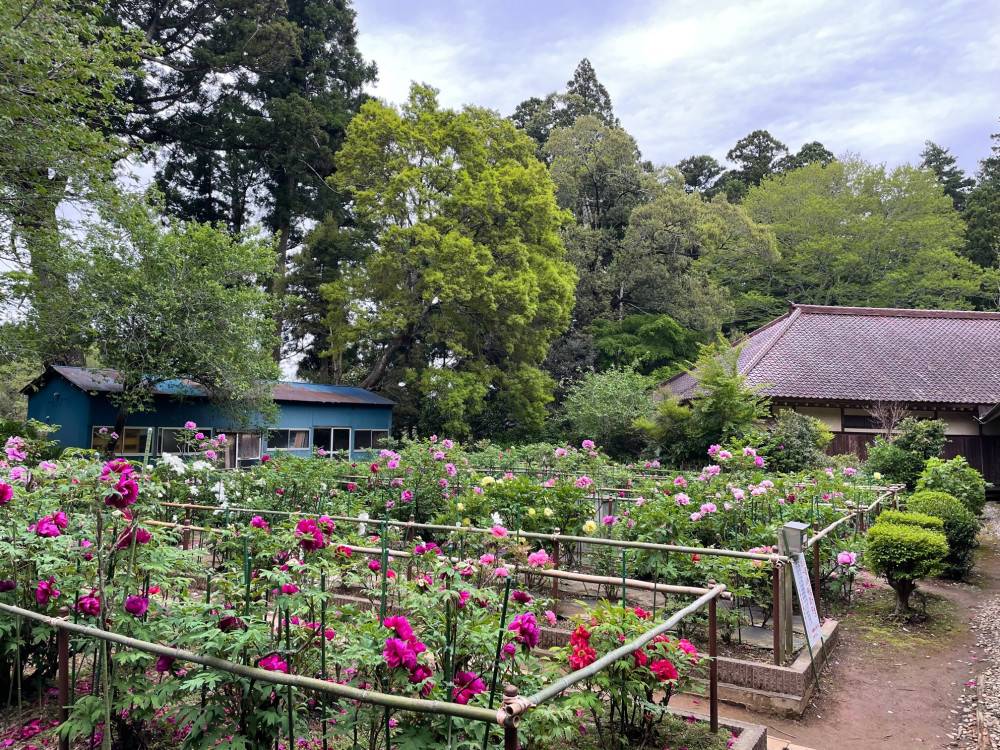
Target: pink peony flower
{"points": [[487, 559], [588, 445], [847, 558], [190, 426], [498, 532], [259, 523], [584, 482], [551, 617], [526, 628]]}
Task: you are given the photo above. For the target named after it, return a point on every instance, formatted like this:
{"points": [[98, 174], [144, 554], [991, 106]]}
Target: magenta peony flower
{"points": [[467, 684], [374, 566], [273, 663], [6, 494], [164, 663], [259, 523], [401, 625], [588, 445], [521, 597], [289, 588], [526, 628], [398, 653], [46, 591], [47, 528], [311, 537], [89, 605], [136, 605]]}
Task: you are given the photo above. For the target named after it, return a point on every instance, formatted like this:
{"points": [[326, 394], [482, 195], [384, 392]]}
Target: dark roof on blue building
{"points": [[106, 381]]}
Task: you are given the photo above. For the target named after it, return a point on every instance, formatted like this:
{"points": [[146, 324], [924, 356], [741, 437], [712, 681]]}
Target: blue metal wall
{"points": [[62, 403]]}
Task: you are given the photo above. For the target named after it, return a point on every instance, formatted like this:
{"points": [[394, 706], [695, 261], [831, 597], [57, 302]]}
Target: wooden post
{"points": [[787, 603], [555, 581], [713, 669], [62, 642], [817, 583], [510, 728], [186, 545]]}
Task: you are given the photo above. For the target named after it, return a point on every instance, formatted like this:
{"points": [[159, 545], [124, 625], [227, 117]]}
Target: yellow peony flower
{"points": [[531, 511], [487, 480], [590, 527], [548, 512], [876, 476], [461, 506], [466, 522]]}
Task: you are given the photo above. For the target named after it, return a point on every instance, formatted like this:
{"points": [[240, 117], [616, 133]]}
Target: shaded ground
{"points": [[894, 686]]}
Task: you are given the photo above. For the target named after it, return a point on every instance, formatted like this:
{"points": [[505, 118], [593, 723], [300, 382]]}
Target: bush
{"points": [[920, 520], [955, 478], [605, 406], [960, 528], [795, 442], [903, 459], [904, 555]]}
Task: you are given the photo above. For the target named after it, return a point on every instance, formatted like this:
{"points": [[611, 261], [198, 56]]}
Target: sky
{"points": [[873, 77]]}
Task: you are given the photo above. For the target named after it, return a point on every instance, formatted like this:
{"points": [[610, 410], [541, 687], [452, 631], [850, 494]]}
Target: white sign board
{"points": [[810, 616]]}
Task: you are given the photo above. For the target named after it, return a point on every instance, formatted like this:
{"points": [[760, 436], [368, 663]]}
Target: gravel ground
{"points": [[979, 723]]}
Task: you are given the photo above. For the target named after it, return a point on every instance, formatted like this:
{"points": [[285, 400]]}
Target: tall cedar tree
{"points": [[247, 103]]}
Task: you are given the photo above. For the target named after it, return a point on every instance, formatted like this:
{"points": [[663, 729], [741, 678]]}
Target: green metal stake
{"points": [[322, 653], [623, 579]]}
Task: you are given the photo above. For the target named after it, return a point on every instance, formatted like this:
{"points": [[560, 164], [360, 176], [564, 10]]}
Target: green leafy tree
{"points": [[181, 301], [652, 342], [605, 406], [756, 156], [700, 173], [794, 442], [854, 233], [813, 152], [903, 459], [723, 407], [466, 282], [59, 69], [982, 212], [246, 102], [949, 175]]}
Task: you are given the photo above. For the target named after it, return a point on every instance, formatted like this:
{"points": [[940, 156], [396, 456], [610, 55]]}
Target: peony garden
{"points": [[431, 595]]}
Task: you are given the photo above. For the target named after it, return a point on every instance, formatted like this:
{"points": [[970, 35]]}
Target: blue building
{"points": [[330, 417]]}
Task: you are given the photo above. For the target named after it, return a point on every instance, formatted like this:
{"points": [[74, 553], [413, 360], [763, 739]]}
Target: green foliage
{"points": [[961, 528], [855, 233], [466, 281], [649, 342], [794, 442], [723, 407], [903, 518], [950, 176], [604, 407], [146, 288], [956, 478], [903, 459], [904, 555]]}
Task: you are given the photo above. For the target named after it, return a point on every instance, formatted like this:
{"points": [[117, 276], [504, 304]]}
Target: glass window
{"points": [[293, 440], [132, 443], [247, 446], [168, 440], [332, 438], [368, 439]]}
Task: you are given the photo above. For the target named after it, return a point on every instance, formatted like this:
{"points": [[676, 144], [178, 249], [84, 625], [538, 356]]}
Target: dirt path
{"points": [[894, 687]]}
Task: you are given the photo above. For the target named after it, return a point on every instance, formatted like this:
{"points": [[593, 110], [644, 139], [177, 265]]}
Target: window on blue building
{"points": [[368, 439], [332, 439], [288, 440], [132, 443]]}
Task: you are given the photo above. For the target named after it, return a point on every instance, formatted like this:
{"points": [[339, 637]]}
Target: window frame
{"points": [[208, 431], [333, 428], [121, 440], [371, 440], [266, 443]]}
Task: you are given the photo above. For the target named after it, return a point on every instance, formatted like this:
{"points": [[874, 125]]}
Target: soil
{"points": [[892, 685]]}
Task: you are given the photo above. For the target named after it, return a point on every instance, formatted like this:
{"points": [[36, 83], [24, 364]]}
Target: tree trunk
{"points": [[112, 445], [903, 590], [382, 364]]}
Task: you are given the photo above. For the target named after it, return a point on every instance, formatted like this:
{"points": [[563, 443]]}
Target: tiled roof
{"points": [[87, 379], [872, 354]]}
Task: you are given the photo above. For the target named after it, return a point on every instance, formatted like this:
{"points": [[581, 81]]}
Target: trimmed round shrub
{"points": [[920, 520], [904, 555], [956, 478], [961, 528]]}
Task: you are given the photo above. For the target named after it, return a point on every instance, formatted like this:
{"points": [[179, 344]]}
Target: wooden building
{"points": [[849, 366]]}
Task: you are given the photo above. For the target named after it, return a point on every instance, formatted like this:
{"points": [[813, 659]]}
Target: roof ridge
{"points": [[896, 312], [795, 314]]}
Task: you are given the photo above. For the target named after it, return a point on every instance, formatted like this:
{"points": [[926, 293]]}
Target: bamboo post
{"points": [[713, 668], [62, 639], [409, 544]]}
